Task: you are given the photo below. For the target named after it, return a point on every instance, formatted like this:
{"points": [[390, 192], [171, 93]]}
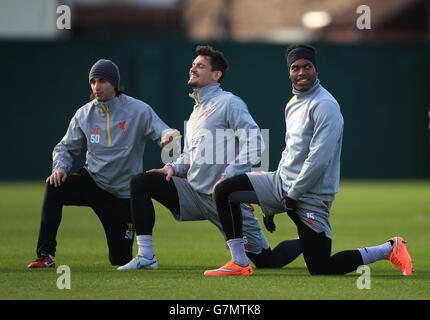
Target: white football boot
{"points": [[140, 262]]}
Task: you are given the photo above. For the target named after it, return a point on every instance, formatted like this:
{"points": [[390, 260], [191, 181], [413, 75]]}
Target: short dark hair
{"points": [[294, 46], [218, 61]]}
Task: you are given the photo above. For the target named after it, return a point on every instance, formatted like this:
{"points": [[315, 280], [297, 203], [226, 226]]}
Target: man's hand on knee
{"points": [[57, 178]]}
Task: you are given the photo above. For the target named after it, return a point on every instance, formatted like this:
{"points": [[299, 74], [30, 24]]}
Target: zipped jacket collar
{"points": [[200, 95], [111, 104]]}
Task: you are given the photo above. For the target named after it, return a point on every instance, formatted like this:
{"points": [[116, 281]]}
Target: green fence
{"points": [[383, 91]]}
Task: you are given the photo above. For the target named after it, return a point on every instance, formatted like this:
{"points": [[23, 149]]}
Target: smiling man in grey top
{"points": [[219, 119], [306, 181]]}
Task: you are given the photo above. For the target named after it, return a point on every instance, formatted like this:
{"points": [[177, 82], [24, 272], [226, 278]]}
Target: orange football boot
{"points": [[400, 257], [230, 269]]}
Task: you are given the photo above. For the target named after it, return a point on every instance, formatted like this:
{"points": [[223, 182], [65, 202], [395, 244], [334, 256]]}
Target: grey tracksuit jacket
{"points": [[310, 163], [115, 133], [221, 139]]}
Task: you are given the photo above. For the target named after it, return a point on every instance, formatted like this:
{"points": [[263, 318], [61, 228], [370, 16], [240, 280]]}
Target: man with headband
{"points": [[115, 128], [305, 183]]}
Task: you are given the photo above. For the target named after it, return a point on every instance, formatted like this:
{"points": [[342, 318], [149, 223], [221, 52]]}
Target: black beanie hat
{"points": [[107, 70], [301, 53]]}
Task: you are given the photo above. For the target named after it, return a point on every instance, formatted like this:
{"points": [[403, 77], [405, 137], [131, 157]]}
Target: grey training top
{"points": [[221, 139], [310, 163], [116, 133]]}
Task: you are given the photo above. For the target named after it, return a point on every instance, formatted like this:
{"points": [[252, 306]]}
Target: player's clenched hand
{"points": [[290, 205], [57, 178], [170, 137], [268, 223], [168, 171]]}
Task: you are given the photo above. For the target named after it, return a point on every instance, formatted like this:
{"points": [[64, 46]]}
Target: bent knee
{"points": [[221, 191], [119, 261], [319, 270], [120, 258]]}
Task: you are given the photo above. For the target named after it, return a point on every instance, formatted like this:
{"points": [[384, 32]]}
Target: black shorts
{"points": [[114, 213]]}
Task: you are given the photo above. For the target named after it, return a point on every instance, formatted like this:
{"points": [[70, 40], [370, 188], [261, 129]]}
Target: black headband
{"points": [[301, 53]]}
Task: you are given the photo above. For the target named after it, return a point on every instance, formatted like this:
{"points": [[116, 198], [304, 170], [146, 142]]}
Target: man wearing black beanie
{"points": [[115, 128]]}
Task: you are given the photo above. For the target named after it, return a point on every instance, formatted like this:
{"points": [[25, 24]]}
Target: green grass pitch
{"points": [[365, 213]]}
